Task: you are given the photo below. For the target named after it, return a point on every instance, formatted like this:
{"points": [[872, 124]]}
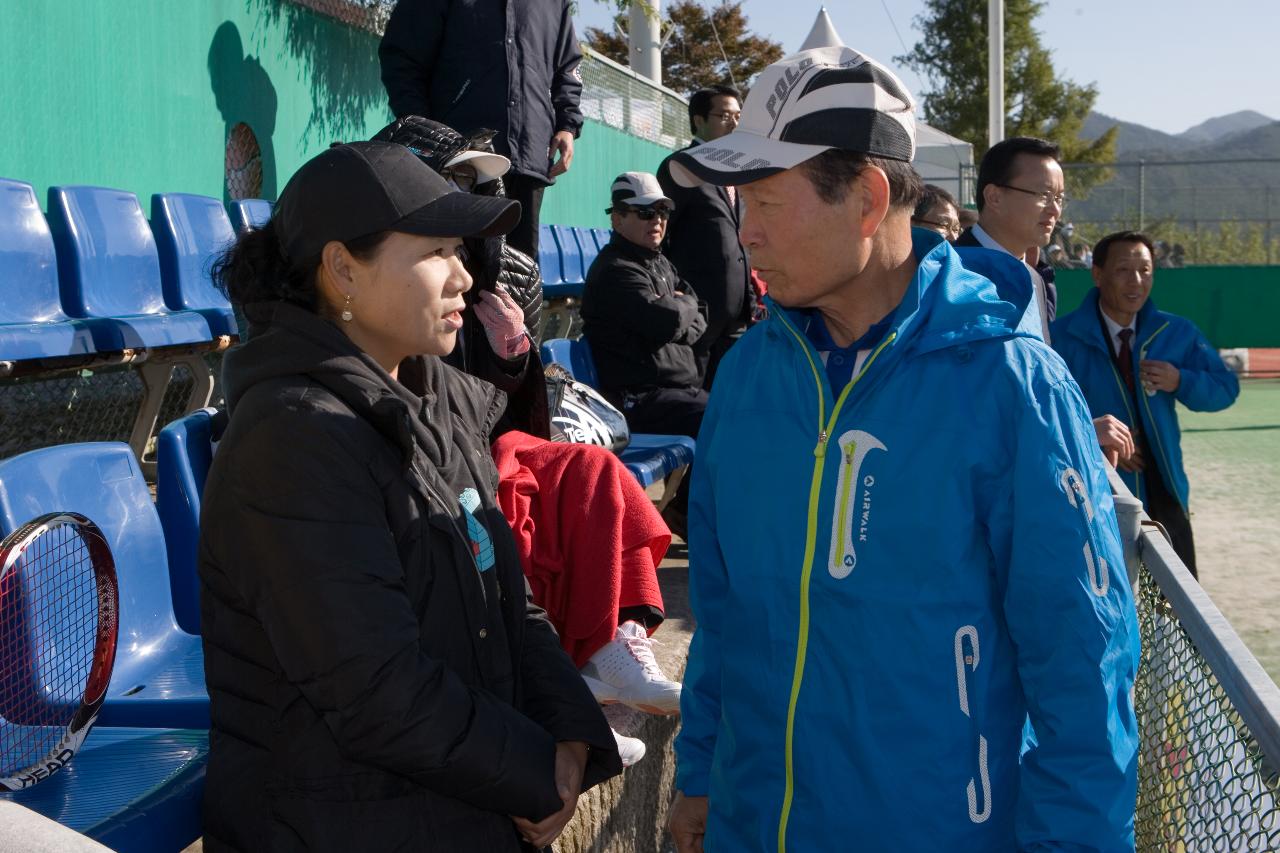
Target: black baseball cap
{"points": [[361, 188]]}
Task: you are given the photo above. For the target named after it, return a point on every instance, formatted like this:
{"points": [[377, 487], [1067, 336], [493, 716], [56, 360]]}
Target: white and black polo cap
{"points": [[637, 189], [800, 106]]}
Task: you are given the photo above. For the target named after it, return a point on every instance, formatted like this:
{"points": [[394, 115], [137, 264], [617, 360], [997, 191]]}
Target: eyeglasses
{"points": [[726, 118], [461, 177], [1043, 198], [952, 228], [645, 213]]}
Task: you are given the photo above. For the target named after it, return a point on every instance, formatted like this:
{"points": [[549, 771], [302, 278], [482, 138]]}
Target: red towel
{"points": [[589, 537]]}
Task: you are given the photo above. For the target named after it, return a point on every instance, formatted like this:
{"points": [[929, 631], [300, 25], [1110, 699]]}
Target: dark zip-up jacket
{"points": [[370, 688], [642, 334], [510, 67]]}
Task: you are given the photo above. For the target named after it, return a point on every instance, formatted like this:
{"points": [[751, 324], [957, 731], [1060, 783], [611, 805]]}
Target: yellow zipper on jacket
{"points": [[810, 548], [1146, 402]]}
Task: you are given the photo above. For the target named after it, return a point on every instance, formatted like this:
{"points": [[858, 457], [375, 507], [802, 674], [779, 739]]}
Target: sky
{"points": [[1168, 65]]}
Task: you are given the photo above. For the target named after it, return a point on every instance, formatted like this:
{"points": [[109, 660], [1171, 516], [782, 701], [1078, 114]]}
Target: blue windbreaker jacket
{"points": [[932, 556], [1206, 383]]}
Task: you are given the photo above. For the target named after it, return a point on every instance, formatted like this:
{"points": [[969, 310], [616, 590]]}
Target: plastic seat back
{"points": [[570, 254], [587, 246], [190, 231], [28, 267], [549, 258], [102, 481], [574, 356], [107, 256], [184, 452], [248, 214], [602, 237]]}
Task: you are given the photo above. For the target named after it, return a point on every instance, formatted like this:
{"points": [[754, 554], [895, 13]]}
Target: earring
{"points": [[346, 310]]}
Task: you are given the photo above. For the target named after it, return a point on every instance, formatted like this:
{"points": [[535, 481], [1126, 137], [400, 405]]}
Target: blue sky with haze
{"points": [[1169, 64]]}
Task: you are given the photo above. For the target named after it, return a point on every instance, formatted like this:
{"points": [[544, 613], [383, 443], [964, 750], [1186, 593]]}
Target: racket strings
{"points": [[48, 629]]}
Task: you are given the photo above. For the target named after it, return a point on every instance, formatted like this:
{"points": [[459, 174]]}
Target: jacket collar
{"points": [[950, 303], [631, 251], [1083, 323], [412, 412]]}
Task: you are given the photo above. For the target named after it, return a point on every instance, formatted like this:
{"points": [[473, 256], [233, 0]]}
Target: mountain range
{"points": [[1189, 191]]}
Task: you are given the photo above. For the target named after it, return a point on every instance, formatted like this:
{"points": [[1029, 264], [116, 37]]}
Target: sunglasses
{"points": [[461, 177], [646, 214]]}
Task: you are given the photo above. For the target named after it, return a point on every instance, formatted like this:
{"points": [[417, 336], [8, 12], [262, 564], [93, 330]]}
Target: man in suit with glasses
{"points": [[1020, 200], [702, 237]]}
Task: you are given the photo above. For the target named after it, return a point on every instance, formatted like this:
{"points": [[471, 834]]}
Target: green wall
{"points": [[1233, 306], [140, 95], [600, 155]]}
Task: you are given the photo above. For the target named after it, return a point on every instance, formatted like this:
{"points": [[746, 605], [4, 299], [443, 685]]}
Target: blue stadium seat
{"points": [[190, 232], [570, 262], [110, 272], [574, 356], [159, 670], [32, 323], [652, 457], [184, 452], [136, 790], [586, 245], [249, 213], [648, 457], [602, 236], [549, 259]]}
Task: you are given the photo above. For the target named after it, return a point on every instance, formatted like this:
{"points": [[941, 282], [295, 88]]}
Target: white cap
{"points": [[489, 167], [812, 101], [638, 189]]}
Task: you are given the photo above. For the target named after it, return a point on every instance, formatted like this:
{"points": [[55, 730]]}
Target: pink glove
{"points": [[503, 323]]}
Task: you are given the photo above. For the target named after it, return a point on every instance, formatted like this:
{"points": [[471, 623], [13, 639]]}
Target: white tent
{"points": [[940, 158]]}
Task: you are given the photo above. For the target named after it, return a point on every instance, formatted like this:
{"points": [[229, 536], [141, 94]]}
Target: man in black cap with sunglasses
{"points": [[642, 321]]}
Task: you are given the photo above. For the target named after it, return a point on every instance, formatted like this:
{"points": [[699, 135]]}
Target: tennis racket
{"points": [[58, 624]]}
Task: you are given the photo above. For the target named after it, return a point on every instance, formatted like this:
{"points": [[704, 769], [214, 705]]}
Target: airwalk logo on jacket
{"points": [[852, 521], [481, 544]]}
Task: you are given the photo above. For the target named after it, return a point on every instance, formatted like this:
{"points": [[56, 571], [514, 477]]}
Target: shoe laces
{"points": [[641, 648]]}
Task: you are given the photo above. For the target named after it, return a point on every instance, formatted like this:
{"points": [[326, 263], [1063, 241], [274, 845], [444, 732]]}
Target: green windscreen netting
{"points": [[1203, 782]]}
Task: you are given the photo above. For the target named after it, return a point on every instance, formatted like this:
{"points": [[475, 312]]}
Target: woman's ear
{"points": [[335, 279]]}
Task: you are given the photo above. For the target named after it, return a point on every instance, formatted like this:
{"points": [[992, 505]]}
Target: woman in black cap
{"points": [[504, 309], [379, 678]]}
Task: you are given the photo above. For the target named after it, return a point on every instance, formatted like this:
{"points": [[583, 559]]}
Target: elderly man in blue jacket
{"points": [[932, 559], [1134, 362]]}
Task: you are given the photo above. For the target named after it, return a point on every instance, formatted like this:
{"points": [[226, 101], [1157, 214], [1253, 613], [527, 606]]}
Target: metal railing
{"points": [[1208, 714]]}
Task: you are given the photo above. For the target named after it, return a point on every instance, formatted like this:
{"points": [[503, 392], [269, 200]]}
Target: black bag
{"points": [[579, 415]]}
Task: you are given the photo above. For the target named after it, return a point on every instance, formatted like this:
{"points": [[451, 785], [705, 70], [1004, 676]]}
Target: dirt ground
{"points": [[1233, 463]]}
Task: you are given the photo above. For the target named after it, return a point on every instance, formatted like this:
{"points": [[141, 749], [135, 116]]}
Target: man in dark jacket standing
{"points": [[643, 323], [702, 236], [508, 66]]}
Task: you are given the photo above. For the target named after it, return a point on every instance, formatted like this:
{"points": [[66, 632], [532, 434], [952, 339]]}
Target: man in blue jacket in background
{"points": [[1134, 362], [932, 557]]}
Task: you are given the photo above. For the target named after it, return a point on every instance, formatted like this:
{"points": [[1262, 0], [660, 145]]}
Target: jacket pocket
{"points": [[978, 789], [849, 509]]}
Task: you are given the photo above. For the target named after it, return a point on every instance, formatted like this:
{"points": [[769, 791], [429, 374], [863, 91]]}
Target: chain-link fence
{"points": [[368, 15], [1207, 716], [43, 410], [1201, 212]]}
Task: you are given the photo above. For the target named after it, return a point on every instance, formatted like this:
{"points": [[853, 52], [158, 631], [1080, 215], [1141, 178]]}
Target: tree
{"points": [[692, 55], [953, 57]]}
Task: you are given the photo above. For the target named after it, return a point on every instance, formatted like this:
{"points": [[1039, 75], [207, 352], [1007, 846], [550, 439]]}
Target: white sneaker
{"points": [[630, 748], [625, 671]]}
